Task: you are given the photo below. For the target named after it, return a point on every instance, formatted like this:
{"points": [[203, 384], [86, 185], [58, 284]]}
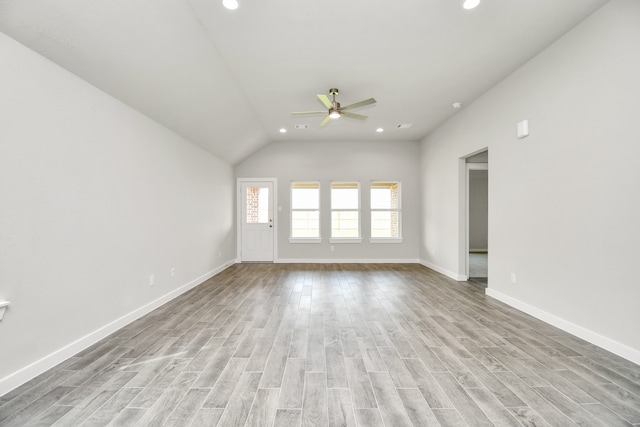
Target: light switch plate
{"points": [[523, 129]]}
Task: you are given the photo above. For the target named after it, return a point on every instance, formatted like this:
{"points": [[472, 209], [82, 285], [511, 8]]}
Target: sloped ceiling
{"points": [[228, 80]]}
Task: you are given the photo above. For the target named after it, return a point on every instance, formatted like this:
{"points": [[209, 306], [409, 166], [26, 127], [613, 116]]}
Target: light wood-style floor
{"points": [[366, 345]]}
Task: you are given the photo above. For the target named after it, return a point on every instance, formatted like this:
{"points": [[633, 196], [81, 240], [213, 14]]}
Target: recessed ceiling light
{"points": [[470, 4], [230, 4], [283, 130], [379, 130], [457, 105]]}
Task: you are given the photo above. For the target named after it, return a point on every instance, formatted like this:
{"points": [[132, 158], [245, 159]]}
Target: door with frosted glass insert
{"points": [[257, 224]]}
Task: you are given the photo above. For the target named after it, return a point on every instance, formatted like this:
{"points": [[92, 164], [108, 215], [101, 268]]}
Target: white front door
{"points": [[256, 221]]}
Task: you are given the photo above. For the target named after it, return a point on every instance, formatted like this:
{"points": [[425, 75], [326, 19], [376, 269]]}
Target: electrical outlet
{"points": [[513, 278], [173, 272], [333, 248], [219, 254], [152, 280]]}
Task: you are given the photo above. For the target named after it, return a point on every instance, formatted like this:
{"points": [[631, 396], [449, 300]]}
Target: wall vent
{"points": [[301, 126]]}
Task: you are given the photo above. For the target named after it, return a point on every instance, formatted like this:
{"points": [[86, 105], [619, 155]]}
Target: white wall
{"points": [[341, 161], [94, 198], [564, 203]]}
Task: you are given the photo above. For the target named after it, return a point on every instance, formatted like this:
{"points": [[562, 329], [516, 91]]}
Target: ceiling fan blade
{"points": [[325, 121], [325, 100], [359, 104], [304, 113], [354, 116]]}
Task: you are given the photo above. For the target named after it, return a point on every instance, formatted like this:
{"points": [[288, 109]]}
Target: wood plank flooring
{"points": [[333, 345]]}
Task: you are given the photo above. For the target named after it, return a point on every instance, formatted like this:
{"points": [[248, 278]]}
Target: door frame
{"points": [[463, 235], [470, 167], [239, 182]]}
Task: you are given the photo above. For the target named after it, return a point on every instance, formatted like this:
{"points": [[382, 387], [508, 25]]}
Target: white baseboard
{"points": [[450, 274], [586, 334], [36, 368], [345, 261]]}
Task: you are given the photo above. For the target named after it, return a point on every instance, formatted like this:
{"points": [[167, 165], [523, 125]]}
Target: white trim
{"points": [[36, 368], [345, 240], [358, 210], [305, 239], [450, 274], [385, 240], [463, 208], [346, 261], [239, 182], [586, 334], [398, 210], [292, 210]]}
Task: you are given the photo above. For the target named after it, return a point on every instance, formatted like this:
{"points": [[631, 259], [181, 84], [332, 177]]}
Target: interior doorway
{"points": [[256, 231], [477, 209]]}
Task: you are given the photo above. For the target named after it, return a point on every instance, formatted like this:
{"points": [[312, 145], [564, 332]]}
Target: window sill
{"points": [[346, 240], [305, 240], [385, 240]]}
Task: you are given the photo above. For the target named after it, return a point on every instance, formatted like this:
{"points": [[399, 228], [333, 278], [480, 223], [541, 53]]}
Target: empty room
{"points": [[339, 213]]}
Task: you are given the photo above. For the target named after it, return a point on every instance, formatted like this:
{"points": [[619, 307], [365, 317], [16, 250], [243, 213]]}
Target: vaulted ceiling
{"points": [[228, 80]]}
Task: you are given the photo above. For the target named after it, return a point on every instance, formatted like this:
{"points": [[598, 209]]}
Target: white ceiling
{"points": [[228, 80]]}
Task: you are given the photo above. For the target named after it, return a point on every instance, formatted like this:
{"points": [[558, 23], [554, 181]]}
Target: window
{"points": [[385, 212], [257, 205], [345, 211], [305, 212]]}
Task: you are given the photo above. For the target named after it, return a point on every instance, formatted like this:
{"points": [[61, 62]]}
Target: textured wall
{"points": [[94, 198], [341, 161], [563, 202]]}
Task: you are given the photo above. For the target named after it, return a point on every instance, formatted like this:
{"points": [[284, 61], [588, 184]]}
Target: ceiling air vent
{"points": [[301, 126], [404, 125]]}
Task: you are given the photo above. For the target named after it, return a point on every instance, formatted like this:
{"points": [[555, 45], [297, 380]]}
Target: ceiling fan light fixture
{"points": [[470, 4], [230, 4], [334, 110]]}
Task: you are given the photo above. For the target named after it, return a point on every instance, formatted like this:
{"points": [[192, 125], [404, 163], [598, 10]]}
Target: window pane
{"points": [[305, 224], [344, 196], [305, 198], [385, 224], [385, 195], [344, 224], [257, 205]]}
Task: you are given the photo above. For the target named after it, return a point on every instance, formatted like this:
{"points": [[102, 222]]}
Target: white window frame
{"points": [[398, 210], [358, 210], [292, 210]]}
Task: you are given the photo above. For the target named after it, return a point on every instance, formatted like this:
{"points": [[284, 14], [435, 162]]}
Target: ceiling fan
{"points": [[334, 110]]}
